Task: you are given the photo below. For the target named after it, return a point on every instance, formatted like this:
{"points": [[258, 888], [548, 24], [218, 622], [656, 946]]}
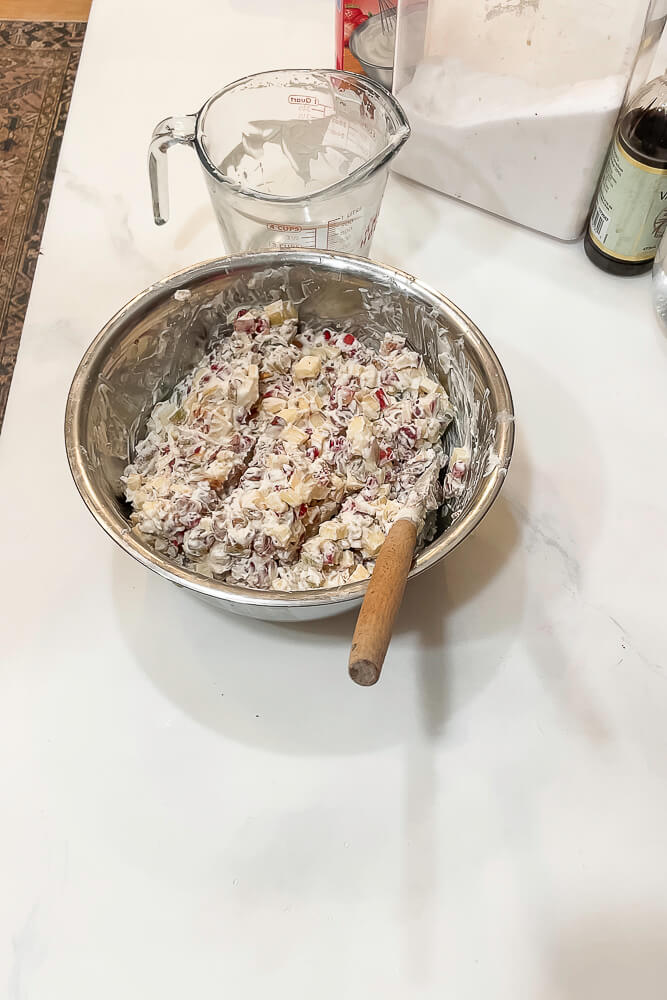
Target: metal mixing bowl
{"points": [[381, 74], [161, 334]]}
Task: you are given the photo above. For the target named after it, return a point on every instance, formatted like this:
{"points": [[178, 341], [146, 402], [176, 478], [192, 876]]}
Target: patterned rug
{"points": [[38, 63]]}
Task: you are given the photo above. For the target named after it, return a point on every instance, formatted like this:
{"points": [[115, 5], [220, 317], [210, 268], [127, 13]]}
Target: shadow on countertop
{"points": [[285, 696]]}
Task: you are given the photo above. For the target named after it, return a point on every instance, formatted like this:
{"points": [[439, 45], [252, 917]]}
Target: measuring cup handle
{"points": [[168, 132]]}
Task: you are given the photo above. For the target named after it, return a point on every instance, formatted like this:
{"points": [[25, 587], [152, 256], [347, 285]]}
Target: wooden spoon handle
{"points": [[383, 599]]}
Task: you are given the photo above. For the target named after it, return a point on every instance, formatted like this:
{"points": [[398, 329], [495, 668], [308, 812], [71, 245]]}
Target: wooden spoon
{"points": [[385, 587], [381, 603]]}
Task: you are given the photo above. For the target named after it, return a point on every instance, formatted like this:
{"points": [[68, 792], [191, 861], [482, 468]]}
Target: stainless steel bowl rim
{"points": [[354, 39], [345, 263]]}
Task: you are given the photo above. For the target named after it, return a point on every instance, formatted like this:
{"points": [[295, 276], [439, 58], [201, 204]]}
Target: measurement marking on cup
{"points": [[370, 229], [340, 231], [309, 238], [300, 235], [311, 105], [335, 234]]}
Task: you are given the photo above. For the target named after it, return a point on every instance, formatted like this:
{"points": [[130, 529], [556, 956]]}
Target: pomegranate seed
{"points": [[276, 421], [327, 335], [348, 339], [386, 453], [197, 450], [313, 453], [381, 398], [303, 509], [241, 312]]}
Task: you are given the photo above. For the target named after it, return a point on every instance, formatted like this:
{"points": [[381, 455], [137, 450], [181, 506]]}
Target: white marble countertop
{"points": [[203, 806]]}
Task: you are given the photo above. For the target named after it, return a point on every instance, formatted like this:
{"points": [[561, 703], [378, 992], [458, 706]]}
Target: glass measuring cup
{"points": [[290, 158]]}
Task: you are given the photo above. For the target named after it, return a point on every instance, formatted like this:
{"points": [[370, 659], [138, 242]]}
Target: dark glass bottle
{"points": [[629, 212]]}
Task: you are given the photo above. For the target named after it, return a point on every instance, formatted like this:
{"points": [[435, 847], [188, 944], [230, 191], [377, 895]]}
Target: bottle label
{"points": [[630, 210]]}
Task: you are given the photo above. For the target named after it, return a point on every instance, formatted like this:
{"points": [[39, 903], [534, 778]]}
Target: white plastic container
{"points": [[512, 103]]}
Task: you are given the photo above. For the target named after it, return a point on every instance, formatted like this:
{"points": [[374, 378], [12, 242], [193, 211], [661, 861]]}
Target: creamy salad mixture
{"points": [[282, 460]]}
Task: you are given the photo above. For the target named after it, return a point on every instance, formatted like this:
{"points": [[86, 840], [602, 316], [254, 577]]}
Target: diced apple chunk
{"points": [[307, 367], [278, 311], [290, 414], [273, 404], [293, 435]]}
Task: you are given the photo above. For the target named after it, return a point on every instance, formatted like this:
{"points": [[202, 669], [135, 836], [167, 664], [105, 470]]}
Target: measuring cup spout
{"points": [[397, 139], [381, 106]]}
